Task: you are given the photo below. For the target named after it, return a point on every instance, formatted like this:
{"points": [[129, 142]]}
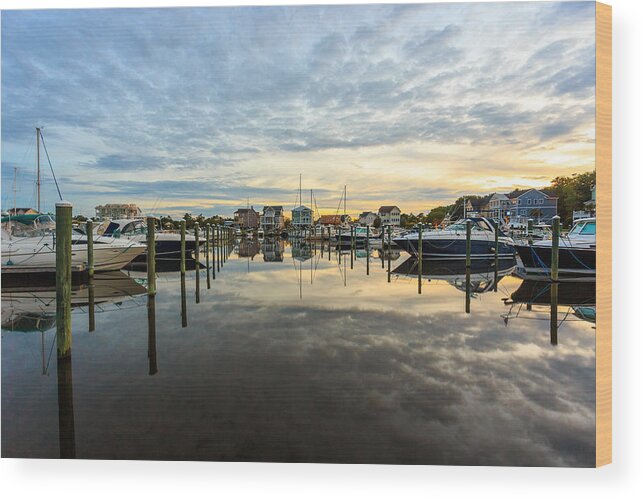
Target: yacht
{"points": [[29, 244], [168, 244], [450, 243], [360, 234], [576, 254]]}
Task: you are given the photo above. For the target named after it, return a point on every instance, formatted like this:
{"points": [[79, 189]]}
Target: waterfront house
{"points": [[389, 215], [367, 218], [330, 220], [246, 218], [302, 216], [117, 211], [498, 207], [532, 204], [272, 218]]}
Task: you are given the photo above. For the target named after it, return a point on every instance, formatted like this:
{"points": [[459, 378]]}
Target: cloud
{"points": [[226, 91]]}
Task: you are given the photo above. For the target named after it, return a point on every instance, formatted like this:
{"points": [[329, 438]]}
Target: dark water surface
{"points": [[306, 360]]}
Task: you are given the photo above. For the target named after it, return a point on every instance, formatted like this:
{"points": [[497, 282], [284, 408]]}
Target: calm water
{"points": [[289, 357]]}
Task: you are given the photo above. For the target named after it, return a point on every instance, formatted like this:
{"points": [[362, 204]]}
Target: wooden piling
{"points": [[207, 254], [420, 258], [89, 229], [63, 278], [468, 247], [553, 315], [496, 256], [467, 299], [218, 248], [151, 335], [183, 247], [339, 244], [368, 250], [197, 273], [91, 304], [329, 243], [151, 257], [352, 245], [184, 303], [66, 425], [530, 231], [555, 241], [389, 254]]}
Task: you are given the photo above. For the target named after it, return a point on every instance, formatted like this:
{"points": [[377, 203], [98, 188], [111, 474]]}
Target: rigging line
{"points": [[50, 165]]}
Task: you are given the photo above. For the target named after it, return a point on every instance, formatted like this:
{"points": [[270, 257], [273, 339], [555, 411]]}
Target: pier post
{"points": [[197, 274], [468, 247], [420, 258], [63, 278], [368, 250], [389, 253], [555, 241], [467, 298], [218, 248], [339, 244], [352, 245], [553, 315], [151, 257], [91, 305], [151, 335], [207, 254], [329, 243], [496, 256], [184, 304], [66, 425], [89, 229], [183, 247], [530, 231]]}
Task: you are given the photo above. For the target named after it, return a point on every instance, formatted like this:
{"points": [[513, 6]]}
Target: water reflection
{"points": [[319, 364]]}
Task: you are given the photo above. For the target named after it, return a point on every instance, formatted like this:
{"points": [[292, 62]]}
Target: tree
{"points": [[377, 223]]}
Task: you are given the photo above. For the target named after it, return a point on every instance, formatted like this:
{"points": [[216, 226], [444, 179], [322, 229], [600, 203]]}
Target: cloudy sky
{"points": [[199, 109]]}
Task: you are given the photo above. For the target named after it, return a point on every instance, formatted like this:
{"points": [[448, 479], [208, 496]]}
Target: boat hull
{"points": [[573, 263], [456, 248]]}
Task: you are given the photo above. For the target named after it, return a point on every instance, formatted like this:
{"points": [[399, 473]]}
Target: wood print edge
{"points": [[604, 244]]}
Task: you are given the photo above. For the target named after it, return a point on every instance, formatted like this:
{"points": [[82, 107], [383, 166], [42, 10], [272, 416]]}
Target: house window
{"points": [[519, 201], [529, 201]]}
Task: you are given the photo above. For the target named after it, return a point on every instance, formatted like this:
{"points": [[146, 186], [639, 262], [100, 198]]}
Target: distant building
{"points": [[246, 218], [498, 207], [532, 204], [367, 218], [331, 220], [21, 211], [272, 218], [302, 216], [115, 211], [389, 215]]}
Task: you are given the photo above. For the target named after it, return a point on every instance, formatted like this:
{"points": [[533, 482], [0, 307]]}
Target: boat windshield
{"points": [[30, 226], [461, 226], [584, 229]]}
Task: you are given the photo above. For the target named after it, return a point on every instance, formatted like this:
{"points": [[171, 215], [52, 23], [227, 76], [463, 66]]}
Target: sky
{"points": [[205, 110]]}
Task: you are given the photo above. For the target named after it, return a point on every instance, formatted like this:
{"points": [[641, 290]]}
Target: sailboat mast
{"points": [[38, 165], [15, 187], [344, 202]]}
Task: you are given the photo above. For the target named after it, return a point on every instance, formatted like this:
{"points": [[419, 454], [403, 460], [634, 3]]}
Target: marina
{"points": [[356, 338]]}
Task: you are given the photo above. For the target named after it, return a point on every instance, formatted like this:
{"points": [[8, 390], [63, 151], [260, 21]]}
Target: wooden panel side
{"points": [[604, 234]]}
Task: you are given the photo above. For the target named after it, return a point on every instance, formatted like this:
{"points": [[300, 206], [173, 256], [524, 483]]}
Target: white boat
{"points": [[167, 244], [29, 243], [576, 254], [450, 242]]}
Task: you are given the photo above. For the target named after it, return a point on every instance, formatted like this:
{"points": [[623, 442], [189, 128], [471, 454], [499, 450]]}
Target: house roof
{"points": [[242, 211], [388, 209], [275, 208], [500, 196], [330, 219], [301, 208], [366, 213], [521, 192]]}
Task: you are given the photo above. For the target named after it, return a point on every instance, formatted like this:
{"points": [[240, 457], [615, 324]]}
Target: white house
{"points": [[272, 218], [367, 218], [389, 215], [302, 216]]}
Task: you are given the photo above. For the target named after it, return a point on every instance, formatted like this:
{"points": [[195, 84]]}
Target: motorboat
{"points": [[360, 235], [167, 244], [450, 242], [576, 254], [29, 244]]}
